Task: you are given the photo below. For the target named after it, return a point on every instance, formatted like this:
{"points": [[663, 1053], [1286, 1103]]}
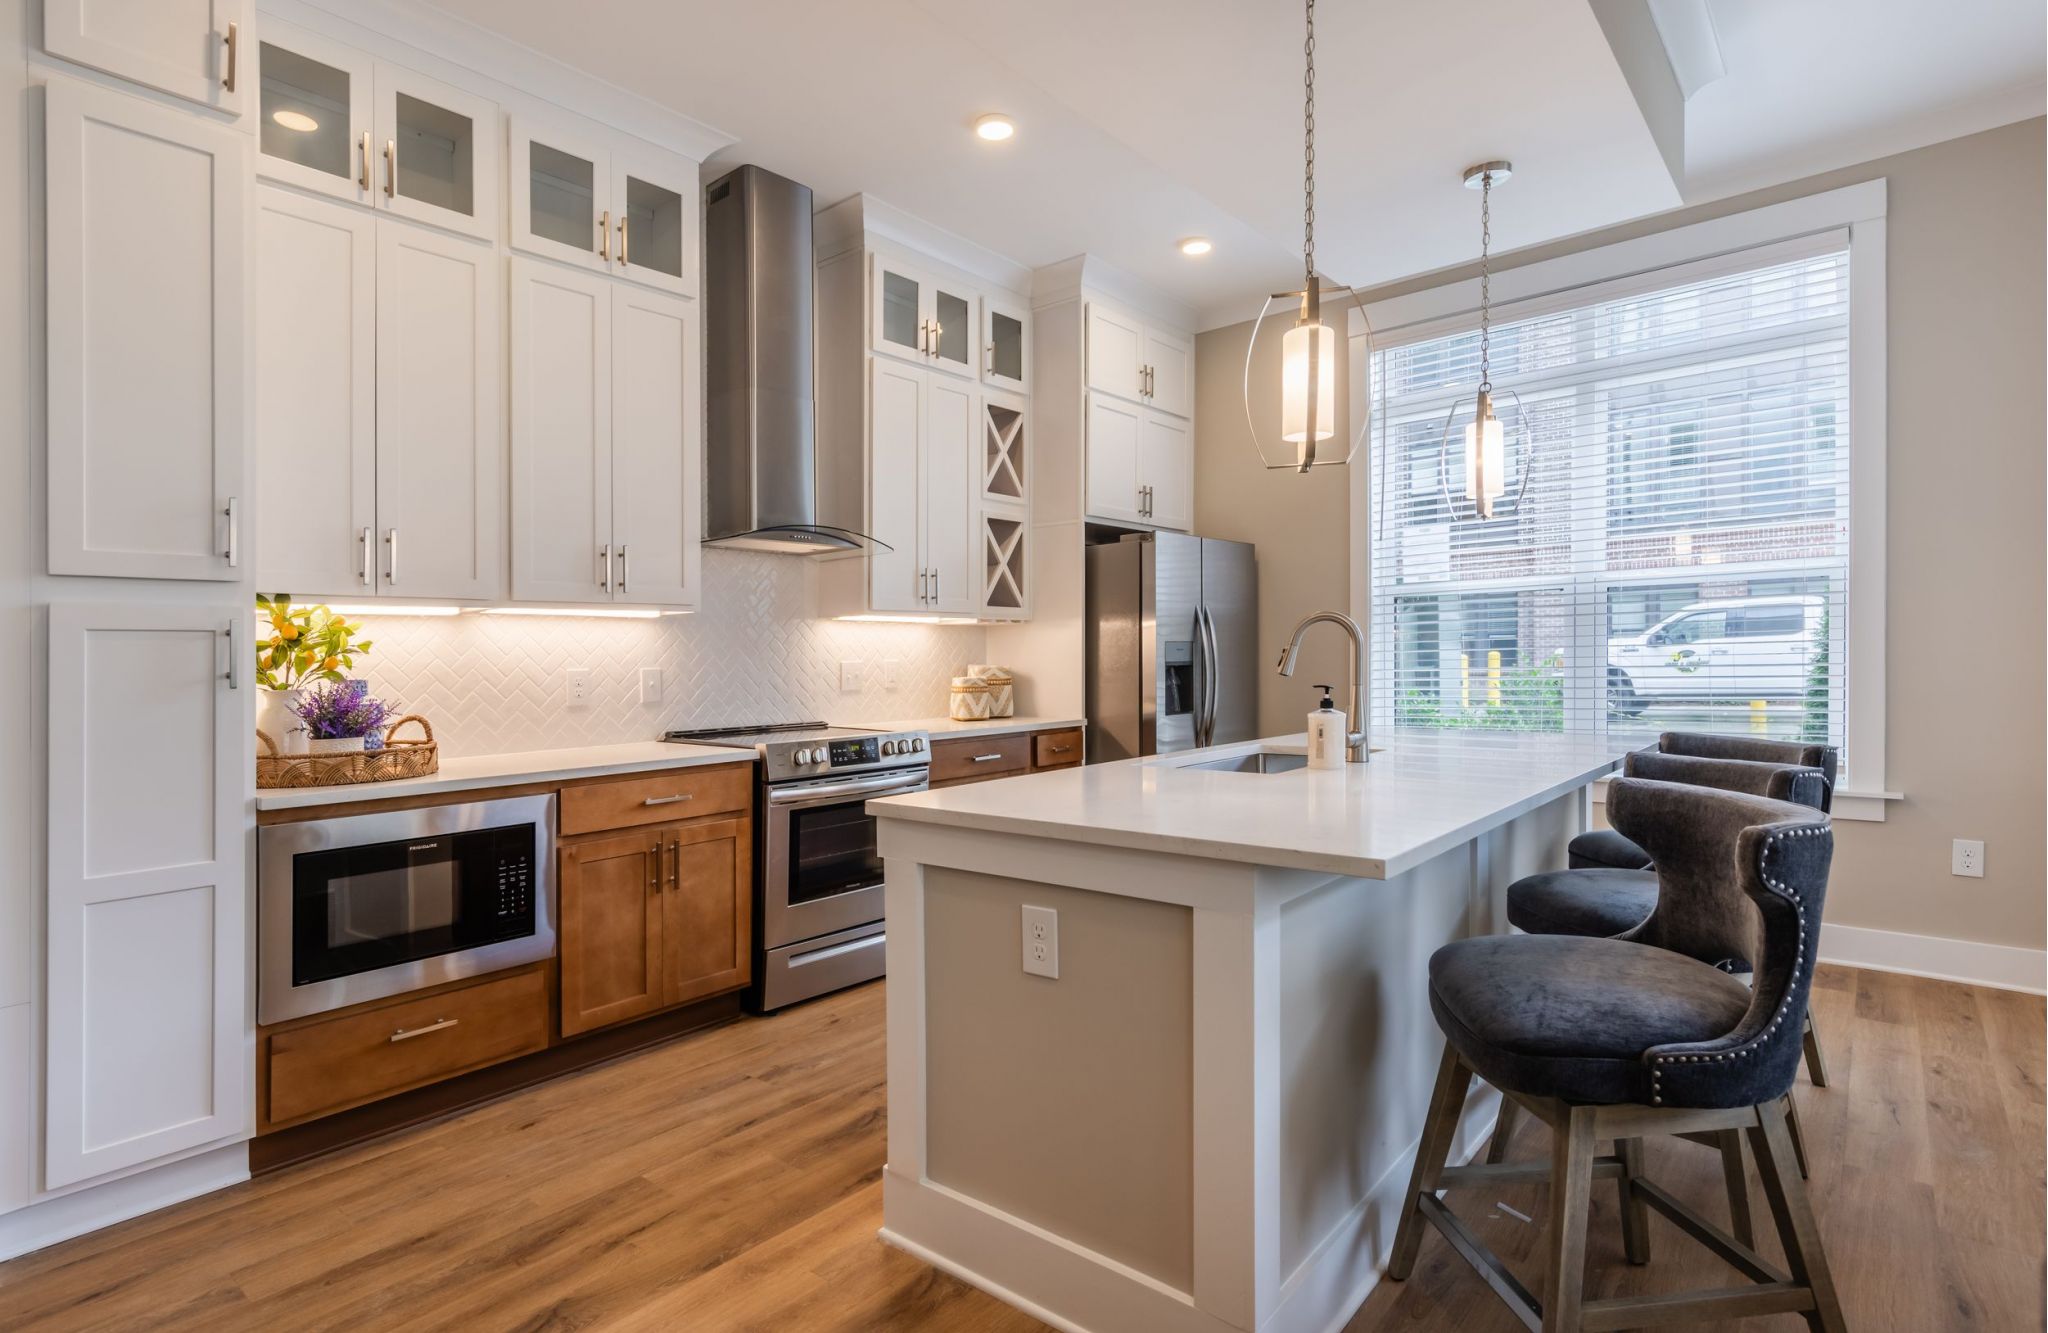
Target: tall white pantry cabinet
{"points": [[282, 363]]}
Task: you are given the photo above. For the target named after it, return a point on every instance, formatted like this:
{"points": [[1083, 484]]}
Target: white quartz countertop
{"points": [[474, 772], [1423, 793], [1000, 726]]}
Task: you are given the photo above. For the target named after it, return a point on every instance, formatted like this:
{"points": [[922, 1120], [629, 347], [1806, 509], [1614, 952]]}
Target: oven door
{"points": [[368, 906], [820, 870]]}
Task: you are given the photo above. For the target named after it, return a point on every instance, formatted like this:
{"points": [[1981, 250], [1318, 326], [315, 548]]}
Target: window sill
{"points": [[1856, 806]]}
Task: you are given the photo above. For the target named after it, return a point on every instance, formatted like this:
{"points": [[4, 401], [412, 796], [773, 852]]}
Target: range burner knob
{"points": [[917, 743], [801, 757], [888, 747]]}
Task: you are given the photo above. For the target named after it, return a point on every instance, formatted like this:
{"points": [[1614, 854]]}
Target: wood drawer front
{"points": [[971, 758], [326, 1067], [657, 798], [1056, 749]]}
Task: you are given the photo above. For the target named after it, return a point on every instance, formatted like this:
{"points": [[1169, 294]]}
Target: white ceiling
{"points": [[1142, 121]]}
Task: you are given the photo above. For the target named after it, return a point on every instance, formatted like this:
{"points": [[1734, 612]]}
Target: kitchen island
{"points": [[1205, 1119]]}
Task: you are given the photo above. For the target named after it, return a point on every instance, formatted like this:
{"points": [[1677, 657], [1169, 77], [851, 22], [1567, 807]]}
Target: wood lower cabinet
{"points": [[654, 917], [960, 759], [611, 895]]}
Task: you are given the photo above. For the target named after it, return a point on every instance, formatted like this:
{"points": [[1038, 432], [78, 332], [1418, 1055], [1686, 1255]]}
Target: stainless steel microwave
{"points": [[365, 906]]}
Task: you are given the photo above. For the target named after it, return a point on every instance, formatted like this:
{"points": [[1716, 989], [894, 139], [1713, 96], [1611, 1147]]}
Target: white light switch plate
{"points": [[576, 686], [892, 673], [1966, 857], [1041, 942], [850, 677], [650, 685]]}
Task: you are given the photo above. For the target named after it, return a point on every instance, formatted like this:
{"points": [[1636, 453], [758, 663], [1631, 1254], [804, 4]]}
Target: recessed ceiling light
{"points": [[995, 128], [1196, 245], [296, 120]]}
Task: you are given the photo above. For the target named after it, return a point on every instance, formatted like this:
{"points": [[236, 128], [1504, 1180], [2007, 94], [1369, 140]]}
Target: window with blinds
{"points": [[1672, 550]]}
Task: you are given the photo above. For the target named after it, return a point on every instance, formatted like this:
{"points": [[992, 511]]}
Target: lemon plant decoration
{"points": [[297, 645]]}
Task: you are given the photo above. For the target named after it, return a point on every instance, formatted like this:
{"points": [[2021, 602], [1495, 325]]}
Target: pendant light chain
{"points": [[1485, 282], [1308, 155]]}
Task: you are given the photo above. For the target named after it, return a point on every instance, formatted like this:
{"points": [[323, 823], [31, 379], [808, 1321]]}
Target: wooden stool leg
{"points": [[1439, 1127], [1735, 1172], [1503, 1129], [1793, 1212], [1635, 1214], [1816, 1063], [1571, 1199], [1798, 1135]]}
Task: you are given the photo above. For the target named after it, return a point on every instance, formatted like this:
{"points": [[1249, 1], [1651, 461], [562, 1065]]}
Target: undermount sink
{"points": [[1258, 761]]}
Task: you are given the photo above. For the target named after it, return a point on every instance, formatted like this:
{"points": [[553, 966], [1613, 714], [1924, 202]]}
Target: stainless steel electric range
{"points": [[818, 877]]}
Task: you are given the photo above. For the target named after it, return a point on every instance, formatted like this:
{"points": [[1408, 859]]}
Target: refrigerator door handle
{"points": [[1199, 705], [1212, 666]]}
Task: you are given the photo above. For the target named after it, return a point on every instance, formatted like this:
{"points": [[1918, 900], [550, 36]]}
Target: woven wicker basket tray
{"points": [[400, 758]]}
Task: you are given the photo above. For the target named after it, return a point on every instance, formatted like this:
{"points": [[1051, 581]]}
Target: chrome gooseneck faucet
{"points": [[1355, 749]]}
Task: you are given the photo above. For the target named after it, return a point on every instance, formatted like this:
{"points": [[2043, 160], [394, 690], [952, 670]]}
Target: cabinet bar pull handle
{"points": [[233, 554], [234, 43], [935, 585], [234, 674], [654, 869], [623, 240], [391, 168], [675, 864], [364, 178], [604, 235], [1060, 749], [366, 557], [924, 585], [668, 800], [622, 545], [604, 553], [937, 329], [984, 758], [391, 574], [404, 1035]]}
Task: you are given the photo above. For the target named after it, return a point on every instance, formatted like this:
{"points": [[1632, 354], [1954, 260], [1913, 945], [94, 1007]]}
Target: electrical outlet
{"points": [[1041, 942], [849, 677], [650, 685], [576, 683], [892, 673], [1966, 857]]}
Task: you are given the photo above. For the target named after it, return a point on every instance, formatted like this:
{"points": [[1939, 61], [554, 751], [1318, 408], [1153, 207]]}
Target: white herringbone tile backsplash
{"points": [[757, 652]]}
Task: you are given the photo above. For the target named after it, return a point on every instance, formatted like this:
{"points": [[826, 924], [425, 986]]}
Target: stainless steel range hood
{"points": [[760, 447]]}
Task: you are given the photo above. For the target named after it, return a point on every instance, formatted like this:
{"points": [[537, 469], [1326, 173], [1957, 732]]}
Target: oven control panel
{"points": [[866, 750], [848, 754]]}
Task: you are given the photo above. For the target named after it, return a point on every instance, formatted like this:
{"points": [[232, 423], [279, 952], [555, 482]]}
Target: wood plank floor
{"points": [[731, 1181]]}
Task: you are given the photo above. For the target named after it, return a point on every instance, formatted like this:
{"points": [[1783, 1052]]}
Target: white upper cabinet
{"points": [[440, 454], [1005, 343], [315, 112], [604, 201], [1114, 490], [657, 449], [605, 445], [950, 483], [146, 259], [924, 501], [194, 49], [1140, 360], [316, 395], [897, 574], [929, 319], [147, 931], [338, 120], [1166, 466]]}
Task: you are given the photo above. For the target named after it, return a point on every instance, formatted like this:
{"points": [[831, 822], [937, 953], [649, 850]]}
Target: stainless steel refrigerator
{"points": [[1173, 645]]}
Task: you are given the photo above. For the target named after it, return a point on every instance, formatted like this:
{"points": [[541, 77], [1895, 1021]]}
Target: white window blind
{"points": [[1679, 559]]}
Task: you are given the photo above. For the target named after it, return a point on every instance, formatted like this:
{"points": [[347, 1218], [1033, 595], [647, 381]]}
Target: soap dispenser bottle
{"points": [[1326, 733]]}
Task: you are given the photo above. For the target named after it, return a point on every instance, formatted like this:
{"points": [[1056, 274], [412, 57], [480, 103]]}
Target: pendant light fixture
{"points": [[1485, 434], [1308, 352]]}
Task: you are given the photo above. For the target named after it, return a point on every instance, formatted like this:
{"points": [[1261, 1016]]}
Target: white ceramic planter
{"points": [[275, 717], [334, 745]]}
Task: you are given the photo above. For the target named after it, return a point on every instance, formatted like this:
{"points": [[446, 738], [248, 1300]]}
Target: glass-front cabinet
{"points": [[1006, 343], [336, 120], [925, 318], [605, 202]]}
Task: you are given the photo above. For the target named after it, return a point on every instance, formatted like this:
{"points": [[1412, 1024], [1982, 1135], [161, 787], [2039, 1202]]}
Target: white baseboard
{"points": [[64, 1216], [2003, 966]]}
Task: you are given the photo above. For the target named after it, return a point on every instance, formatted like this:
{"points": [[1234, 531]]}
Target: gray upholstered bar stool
{"points": [[1619, 1039], [1608, 890]]}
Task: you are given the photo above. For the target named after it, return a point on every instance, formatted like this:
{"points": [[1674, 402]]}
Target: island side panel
{"points": [[1066, 1103]]}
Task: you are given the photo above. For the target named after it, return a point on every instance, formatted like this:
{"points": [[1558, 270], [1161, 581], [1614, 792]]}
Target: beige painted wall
{"points": [[1068, 1102], [1965, 729]]}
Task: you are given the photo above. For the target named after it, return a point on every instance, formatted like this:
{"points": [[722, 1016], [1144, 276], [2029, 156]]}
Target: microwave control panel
{"points": [[515, 884]]}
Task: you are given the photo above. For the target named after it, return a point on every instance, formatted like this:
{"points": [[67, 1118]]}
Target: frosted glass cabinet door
{"points": [[316, 113], [194, 49], [148, 982], [1005, 344], [146, 273], [655, 202], [561, 205], [562, 547], [902, 320], [657, 453], [440, 153], [316, 395]]}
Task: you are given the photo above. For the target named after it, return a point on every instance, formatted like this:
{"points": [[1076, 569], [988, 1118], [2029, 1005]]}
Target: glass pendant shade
{"points": [[1308, 384], [1485, 460]]}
